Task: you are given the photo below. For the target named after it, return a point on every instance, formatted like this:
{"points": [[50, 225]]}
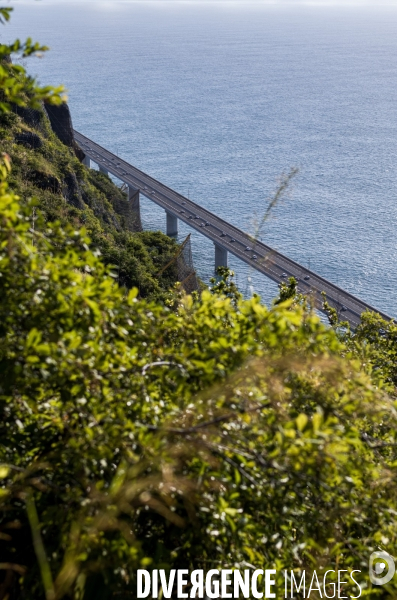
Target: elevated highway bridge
{"points": [[226, 237]]}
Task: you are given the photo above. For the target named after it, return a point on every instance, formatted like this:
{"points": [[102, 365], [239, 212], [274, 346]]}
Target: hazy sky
{"points": [[373, 3], [370, 3]]}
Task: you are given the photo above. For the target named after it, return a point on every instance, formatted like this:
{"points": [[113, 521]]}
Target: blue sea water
{"points": [[217, 99]]}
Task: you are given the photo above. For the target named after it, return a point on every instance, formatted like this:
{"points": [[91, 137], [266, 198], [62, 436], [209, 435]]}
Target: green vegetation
{"points": [[16, 86], [217, 433], [68, 192]]}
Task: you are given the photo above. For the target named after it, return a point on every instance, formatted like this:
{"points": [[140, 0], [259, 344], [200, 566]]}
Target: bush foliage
{"points": [[68, 192], [210, 433]]}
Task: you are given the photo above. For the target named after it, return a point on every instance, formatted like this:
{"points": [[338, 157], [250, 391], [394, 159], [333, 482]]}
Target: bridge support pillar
{"points": [[103, 170], [135, 205], [172, 224], [220, 257], [87, 161]]}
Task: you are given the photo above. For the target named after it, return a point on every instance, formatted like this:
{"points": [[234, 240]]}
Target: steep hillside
{"points": [[51, 169]]}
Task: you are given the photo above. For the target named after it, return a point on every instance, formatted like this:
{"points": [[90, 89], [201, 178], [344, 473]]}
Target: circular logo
{"points": [[381, 571]]}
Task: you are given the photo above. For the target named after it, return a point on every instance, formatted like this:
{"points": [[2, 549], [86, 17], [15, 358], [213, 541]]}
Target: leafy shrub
{"points": [[216, 434], [213, 434]]}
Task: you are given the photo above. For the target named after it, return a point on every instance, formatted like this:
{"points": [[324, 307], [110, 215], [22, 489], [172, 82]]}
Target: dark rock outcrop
{"points": [[31, 116], [71, 191], [45, 181], [61, 124], [28, 139]]}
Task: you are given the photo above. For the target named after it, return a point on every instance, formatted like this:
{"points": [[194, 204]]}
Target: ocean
{"points": [[218, 99]]}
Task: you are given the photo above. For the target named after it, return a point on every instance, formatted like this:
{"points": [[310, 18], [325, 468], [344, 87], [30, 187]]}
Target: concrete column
{"points": [[135, 205], [172, 224], [87, 161], [133, 198], [220, 257], [103, 170]]}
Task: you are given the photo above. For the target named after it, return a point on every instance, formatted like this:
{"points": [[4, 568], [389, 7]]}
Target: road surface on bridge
{"points": [[257, 255]]}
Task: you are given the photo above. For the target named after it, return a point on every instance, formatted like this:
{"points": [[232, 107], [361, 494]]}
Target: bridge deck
{"points": [[271, 263]]}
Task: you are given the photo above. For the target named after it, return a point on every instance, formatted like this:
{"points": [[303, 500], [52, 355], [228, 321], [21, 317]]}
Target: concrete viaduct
{"points": [[226, 237]]}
